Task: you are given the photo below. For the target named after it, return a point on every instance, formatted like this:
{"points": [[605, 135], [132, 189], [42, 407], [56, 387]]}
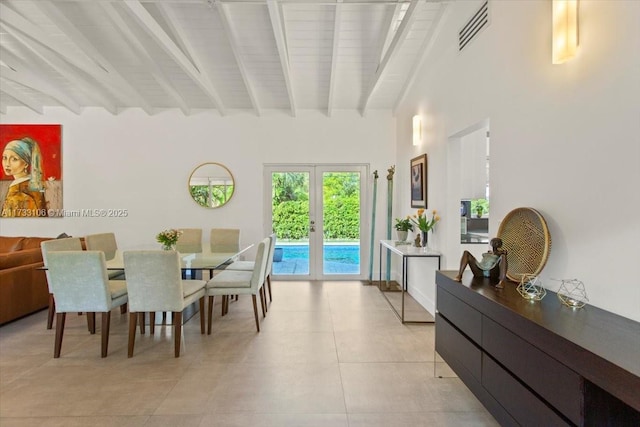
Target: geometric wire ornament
{"points": [[530, 287], [525, 236], [572, 293]]}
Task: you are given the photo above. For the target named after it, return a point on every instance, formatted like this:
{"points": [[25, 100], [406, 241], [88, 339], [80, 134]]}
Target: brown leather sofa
{"points": [[23, 288]]}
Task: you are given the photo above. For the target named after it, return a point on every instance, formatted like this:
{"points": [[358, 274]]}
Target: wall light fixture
{"points": [[565, 30], [417, 130]]}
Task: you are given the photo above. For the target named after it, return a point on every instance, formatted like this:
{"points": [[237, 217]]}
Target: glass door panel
{"points": [[315, 211]]}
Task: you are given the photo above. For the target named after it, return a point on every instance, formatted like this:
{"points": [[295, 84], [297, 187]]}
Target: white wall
{"points": [[565, 139], [142, 163]]}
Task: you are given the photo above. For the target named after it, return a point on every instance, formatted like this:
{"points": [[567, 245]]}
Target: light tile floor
{"points": [[329, 354]]}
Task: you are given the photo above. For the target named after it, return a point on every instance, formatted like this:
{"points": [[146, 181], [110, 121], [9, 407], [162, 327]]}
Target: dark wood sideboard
{"points": [[538, 363]]}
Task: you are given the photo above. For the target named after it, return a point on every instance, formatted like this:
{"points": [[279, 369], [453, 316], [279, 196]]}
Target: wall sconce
{"points": [[565, 30], [417, 130]]}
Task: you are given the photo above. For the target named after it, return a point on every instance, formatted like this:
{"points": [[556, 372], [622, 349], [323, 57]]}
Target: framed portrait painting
{"points": [[31, 180], [419, 182]]}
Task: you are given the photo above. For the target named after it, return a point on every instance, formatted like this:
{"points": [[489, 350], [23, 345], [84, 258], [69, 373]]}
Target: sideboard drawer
{"points": [[558, 385], [450, 343], [462, 315], [521, 403]]}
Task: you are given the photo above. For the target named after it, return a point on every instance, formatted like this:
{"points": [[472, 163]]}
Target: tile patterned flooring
{"points": [[328, 354]]}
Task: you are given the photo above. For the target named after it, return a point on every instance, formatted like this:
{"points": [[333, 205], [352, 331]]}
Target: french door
{"points": [[318, 215]]}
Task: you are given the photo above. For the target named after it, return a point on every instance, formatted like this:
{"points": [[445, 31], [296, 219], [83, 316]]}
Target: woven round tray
{"points": [[526, 238]]}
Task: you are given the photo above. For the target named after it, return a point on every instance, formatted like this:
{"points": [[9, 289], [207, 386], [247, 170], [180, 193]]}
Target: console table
{"points": [[406, 252], [538, 363]]}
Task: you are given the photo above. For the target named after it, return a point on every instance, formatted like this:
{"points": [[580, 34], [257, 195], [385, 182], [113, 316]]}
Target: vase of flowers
{"points": [[425, 224], [169, 238], [403, 226]]}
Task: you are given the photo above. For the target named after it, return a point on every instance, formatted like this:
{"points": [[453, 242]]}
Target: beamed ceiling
{"points": [[255, 56]]}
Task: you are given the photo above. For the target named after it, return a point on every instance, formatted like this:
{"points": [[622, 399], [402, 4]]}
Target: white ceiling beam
{"points": [[25, 99], [233, 37], [21, 72], [393, 49], [72, 32], [281, 43], [138, 46], [71, 73], [149, 24], [337, 19], [393, 18], [425, 49]]}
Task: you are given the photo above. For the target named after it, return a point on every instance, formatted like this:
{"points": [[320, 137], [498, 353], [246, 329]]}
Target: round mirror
{"points": [[211, 185]]}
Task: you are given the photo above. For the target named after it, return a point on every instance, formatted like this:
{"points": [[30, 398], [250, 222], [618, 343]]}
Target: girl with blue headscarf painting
{"points": [[21, 159]]}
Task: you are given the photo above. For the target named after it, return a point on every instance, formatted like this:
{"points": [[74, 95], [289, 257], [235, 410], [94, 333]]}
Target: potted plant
{"points": [[403, 226], [479, 210]]}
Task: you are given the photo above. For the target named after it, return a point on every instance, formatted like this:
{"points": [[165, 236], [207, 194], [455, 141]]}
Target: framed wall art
{"points": [[419, 181], [31, 181]]}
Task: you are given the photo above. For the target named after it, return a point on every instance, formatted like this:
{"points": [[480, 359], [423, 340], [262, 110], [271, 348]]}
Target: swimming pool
{"points": [[337, 259]]}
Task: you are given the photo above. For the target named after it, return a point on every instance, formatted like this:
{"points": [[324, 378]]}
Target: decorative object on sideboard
{"points": [[530, 288], [403, 226], [493, 263], [572, 293], [525, 236]]}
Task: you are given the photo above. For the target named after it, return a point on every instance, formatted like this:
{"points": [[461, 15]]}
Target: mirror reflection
{"points": [[211, 185]]}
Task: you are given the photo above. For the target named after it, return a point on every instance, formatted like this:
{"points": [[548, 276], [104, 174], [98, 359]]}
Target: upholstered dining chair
{"points": [[224, 240], [190, 241], [105, 242], [80, 283], [235, 282], [154, 283], [250, 265], [48, 246]]}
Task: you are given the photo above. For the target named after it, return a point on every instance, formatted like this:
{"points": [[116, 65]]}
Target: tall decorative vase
{"points": [[424, 235]]}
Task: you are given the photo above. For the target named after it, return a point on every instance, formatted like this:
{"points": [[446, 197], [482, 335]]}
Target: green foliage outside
{"points": [[219, 194], [290, 199], [480, 206]]}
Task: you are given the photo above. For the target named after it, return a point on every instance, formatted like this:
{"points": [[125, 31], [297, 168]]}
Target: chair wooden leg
{"points": [[91, 322], [264, 296], [164, 318], [263, 303], [60, 318], [255, 312], [52, 311], [152, 322], [202, 315], [133, 318], [224, 300], [141, 319], [106, 323], [211, 298], [177, 330], [123, 308], [269, 286]]}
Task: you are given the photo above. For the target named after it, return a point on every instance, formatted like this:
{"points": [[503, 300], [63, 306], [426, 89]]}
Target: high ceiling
{"points": [[232, 55]]}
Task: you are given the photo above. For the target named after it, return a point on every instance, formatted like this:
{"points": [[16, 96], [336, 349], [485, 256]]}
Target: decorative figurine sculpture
{"points": [[417, 241], [493, 263]]}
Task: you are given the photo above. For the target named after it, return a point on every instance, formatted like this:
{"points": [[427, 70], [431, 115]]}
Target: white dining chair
{"points": [[48, 246], [236, 282], [250, 265], [190, 241], [105, 242], [80, 283], [155, 284]]}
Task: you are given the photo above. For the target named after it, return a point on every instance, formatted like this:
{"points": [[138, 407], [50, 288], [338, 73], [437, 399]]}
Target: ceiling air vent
{"points": [[477, 22]]}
